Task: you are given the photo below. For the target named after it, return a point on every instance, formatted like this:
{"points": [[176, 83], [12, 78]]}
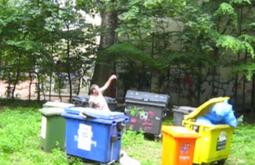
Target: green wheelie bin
{"points": [[53, 125]]}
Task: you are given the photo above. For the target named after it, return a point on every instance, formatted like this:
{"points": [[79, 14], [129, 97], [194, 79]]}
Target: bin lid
{"points": [[81, 98], [148, 98], [183, 109], [204, 108], [51, 111], [180, 132], [93, 113], [57, 104], [110, 100]]}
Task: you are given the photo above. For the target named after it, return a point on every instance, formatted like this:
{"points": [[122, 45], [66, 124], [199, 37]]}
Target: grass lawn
{"points": [[20, 142]]}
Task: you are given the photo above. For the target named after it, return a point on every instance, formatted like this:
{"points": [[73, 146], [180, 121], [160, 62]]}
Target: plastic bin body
{"points": [[146, 111], [178, 145], [179, 113], [52, 132], [96, 138], [215, 142], [145, 118], [53, 126]]}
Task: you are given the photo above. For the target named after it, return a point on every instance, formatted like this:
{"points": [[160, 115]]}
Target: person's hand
{"points": [[113, 77]]}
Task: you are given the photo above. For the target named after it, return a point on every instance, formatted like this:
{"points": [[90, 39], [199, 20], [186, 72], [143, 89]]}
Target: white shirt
{"points": [[98, 102]]}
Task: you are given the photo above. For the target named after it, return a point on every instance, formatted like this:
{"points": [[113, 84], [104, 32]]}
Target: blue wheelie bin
{"points": [[94, 135]]}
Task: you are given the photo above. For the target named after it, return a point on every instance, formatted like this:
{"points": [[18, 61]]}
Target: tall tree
{"points": [[105, 66]]}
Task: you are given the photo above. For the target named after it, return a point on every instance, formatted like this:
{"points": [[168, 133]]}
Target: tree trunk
{"points": [[243, 92], [59, 88], [240, 20], [30, 85], [214, 72], [38, 89], [154, 74], [69, 71], [199, 86], [51, 72], [8, 90], [16, 81], [244, 84], [104, 68], [79, 86], [50, 86], [253, 91]]}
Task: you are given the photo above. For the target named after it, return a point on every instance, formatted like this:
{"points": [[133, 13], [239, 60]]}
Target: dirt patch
{"points": [[2, 107]]}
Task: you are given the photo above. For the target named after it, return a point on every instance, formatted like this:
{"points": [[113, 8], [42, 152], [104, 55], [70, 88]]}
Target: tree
{"points": [[33, 37], [205, 40]]}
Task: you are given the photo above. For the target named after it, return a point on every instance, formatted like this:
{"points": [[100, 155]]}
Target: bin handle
{"points": [[84, 115]]}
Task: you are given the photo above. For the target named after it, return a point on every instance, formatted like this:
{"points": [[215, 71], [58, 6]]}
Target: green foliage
{"points": [[132, 138], [21, 103], [130, 52], [42, 38], [241, 2], [126, 51], [246, 68], [235, 45], [38, 35], [226, 9], [212, 34]]}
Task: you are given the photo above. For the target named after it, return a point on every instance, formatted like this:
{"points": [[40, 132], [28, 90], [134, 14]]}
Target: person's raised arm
{"points": [[108, 82]]}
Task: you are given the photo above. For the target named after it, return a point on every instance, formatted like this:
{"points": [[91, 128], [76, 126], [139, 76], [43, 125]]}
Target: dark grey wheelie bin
{"points": [[146, 111], [179, 113]]}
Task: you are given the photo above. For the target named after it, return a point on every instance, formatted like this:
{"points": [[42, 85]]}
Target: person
{"points": [[96, 98]]}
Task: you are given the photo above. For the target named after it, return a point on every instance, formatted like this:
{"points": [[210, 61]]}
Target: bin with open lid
{"points": [[215, 142], [94, 135]]}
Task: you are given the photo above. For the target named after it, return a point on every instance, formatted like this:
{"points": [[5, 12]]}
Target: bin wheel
{"points": [[71, 160], [218, 162], [110, 163], [157, 137], [221, 162]]}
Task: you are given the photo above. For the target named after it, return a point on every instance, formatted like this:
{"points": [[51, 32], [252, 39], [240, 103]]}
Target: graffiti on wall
{"points": [[185, 89]]}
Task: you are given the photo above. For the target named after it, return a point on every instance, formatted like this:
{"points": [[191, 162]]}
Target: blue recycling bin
{"points": [[94, 135]]}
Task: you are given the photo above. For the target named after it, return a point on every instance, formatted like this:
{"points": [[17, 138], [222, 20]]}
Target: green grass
{"points": [[140, 148], [243, 146], [20, 142]]}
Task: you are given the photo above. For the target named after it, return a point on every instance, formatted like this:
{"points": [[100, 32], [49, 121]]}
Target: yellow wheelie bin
{"points": [[215, 140]]}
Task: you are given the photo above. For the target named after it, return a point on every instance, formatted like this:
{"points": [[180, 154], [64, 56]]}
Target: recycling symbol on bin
{"points": [[185, 148]]}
